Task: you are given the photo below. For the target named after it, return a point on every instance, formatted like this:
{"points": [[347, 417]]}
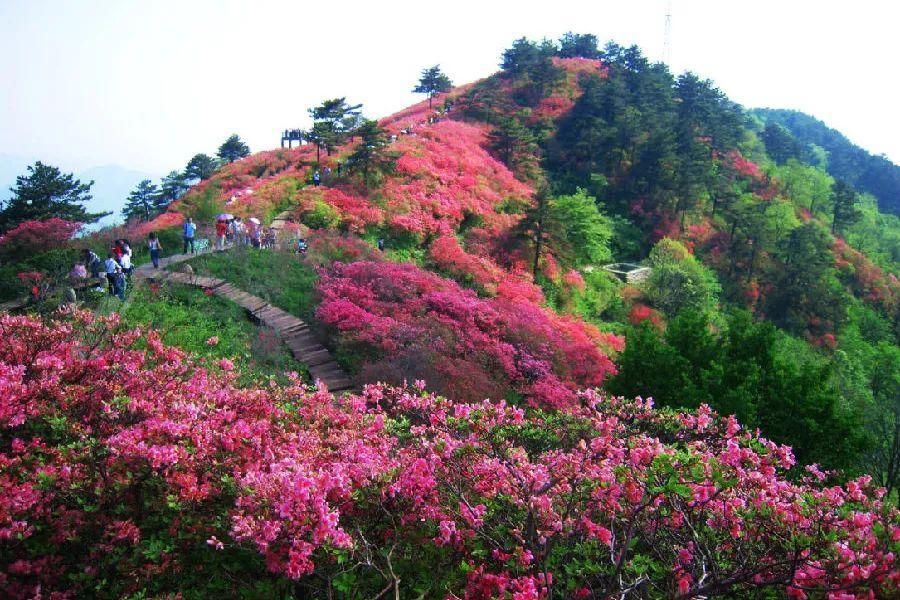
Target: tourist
{"points": [[125, 259], [116, 250], [339, 166], [380, 244], [93, 262], [79, 271], [155, 247], [109, 268], [221, 231], [119, 283], [301, 246], [188, 235], [255, 234], [316, 178]]}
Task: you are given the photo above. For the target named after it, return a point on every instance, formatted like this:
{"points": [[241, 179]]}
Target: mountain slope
{"points": [[869, 173]]}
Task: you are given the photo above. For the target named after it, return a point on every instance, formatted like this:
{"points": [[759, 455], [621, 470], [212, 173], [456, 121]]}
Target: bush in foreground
{"points": [[129, 470]]}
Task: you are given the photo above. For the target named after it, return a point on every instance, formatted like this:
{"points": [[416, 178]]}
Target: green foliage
{"points": [[46, 192], [781, 145], [751, 370], [200, 167], [186, 317], [333, 121], [277, 277], [806, 289], [141, 202], [202, 206], [678, 281], [514, 145], [233, 148], [844, 201], [171, 188], [831, 150], [531, 64], [570, 226], [322, 216], [432, 82], [55, 264], [370, 156], [578, 45]]}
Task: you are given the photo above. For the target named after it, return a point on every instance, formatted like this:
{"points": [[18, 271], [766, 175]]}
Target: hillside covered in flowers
{"points": [[525, 424]]}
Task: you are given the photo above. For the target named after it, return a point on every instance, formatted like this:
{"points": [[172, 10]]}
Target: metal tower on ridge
{"points": [[667, 35]]}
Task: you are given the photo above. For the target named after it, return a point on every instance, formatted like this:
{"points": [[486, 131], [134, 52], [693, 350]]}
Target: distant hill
{"points": [[869, 173], [112, 183]]}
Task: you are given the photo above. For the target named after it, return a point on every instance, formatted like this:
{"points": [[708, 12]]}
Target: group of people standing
{"points": [[238, 232], [116, 269]]}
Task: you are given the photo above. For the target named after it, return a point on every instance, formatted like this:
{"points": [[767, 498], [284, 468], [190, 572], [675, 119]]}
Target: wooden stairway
{"points": [[293, 331]]}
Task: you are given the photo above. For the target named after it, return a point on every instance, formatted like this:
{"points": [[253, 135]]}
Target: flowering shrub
{"points": [[448, 256], [130, 470], [37, 236], [408, 324]]}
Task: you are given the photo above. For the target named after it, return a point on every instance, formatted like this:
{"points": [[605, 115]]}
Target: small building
{"points": [[629, 272]]}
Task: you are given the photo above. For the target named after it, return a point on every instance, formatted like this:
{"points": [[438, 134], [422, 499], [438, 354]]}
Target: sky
{"points": [[146, 84]]}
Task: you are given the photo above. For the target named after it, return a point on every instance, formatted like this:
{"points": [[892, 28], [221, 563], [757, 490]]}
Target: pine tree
{"points": [[233, 148], [432, 82], [370, 156], [333, 121], [171, 188], [45, 192], [201, 166], [846, 211], [514, 144], [141, 202]]}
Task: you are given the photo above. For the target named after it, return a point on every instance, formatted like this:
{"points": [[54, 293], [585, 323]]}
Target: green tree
{"points": [[233, 149], [805, 289], [171, 188], [201, 166], [781, 145], [678, 281], [845, 212], [532, 65], [432, 82], [583, 45], [369, 156], [515, 145], [141, 202], [571, 227], [46, 192], [333, 122]]}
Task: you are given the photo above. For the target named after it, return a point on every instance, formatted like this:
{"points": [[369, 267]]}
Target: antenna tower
{"points": [[667, 35]]}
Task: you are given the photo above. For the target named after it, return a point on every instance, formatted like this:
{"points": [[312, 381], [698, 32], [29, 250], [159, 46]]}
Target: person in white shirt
{"points": [[109, 267]]}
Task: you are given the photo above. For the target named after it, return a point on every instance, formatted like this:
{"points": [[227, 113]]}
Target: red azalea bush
{"points": [[444, 175], [448, 256], [410, 324], [130, 470], [37, 236]]}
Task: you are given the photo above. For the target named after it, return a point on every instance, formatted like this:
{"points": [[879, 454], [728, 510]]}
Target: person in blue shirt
{"points": [[188, 234]]}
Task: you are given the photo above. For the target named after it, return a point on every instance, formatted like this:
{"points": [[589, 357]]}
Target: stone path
{"points": [[293, 331]]}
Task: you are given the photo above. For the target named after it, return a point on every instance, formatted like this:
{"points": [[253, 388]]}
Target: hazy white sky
{"points": [[146, 84]]}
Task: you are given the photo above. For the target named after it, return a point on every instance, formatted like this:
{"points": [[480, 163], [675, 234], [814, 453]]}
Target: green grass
{"points": [[186, 317], [277, 277]]}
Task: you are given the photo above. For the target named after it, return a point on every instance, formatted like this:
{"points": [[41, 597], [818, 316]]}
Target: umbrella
{"points": [[254, 220], [225, 217]]}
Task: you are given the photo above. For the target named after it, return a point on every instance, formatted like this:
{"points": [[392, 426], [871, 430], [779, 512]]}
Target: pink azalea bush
{"points": [[37, 236], [406, 323], [130, 470]]}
